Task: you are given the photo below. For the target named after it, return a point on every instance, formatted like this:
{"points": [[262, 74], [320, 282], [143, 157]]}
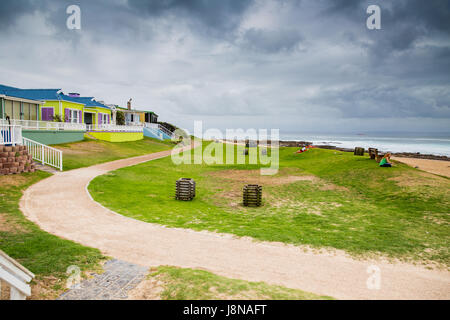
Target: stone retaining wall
{"points": [[15, 160]]}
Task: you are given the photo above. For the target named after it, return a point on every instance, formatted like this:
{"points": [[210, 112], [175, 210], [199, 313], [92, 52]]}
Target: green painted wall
{"points": [[118, 136], [2, 107], [53, 137]]}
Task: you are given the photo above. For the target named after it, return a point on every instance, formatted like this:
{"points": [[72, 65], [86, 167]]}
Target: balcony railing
{"points": [[114, 128], [16, 276], [157, 126], [45, 125], [10, 135], [44, 154]]}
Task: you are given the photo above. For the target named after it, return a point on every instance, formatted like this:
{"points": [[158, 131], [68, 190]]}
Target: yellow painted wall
{"points": [[64, 105], [118, 136], [99, 110], [142, 117]]}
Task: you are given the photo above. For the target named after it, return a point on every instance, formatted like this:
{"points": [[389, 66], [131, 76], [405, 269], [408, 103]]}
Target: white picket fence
{"points": [[114, 128], [10, 134], [45, 125], [16, 276], [44, 154]]}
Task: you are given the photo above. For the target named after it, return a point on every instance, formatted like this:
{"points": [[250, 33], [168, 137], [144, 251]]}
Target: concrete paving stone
{"points": [[113, 284]]}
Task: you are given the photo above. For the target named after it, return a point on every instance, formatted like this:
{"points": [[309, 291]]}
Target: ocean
{"points": [[424, 143]]}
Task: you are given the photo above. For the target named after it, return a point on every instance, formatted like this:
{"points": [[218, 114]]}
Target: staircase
{"points": [[16, 276], [17, 152], [153, 130]]}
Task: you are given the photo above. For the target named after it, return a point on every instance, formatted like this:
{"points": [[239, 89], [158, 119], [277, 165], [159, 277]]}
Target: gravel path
{"points": [[62, 206]]}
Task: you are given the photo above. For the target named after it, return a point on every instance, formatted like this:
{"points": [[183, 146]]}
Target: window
{"points": [[25, 111], [33, 111], [8, 109], [16, 110], [74, 116]]}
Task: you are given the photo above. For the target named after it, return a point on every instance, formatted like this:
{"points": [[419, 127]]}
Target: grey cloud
{"points": [[403, 21], [388, 102], [11, 10], [213, 16], [226, 60], [270, 41]]}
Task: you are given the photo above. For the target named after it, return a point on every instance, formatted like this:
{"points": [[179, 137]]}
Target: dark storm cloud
{"points": [[291, 59], [217, 17], [403, 21], [10, 10]]}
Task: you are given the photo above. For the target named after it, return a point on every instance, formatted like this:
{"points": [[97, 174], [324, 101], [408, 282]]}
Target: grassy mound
{"points": [[321, 198]]}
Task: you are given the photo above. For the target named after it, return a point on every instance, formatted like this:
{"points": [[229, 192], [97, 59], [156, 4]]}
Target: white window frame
{"points": [[72, 118]]}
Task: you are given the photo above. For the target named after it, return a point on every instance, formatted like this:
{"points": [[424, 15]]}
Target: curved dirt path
{"points": [[62, 206]]}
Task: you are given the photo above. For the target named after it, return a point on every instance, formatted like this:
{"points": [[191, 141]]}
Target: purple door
{"points": [[100, 118], [47, 114], [67, 115]]}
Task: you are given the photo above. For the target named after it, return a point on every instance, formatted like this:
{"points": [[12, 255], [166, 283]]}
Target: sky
{"points": [[295, 65]]}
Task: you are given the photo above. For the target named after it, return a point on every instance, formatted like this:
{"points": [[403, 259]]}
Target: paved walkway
{"points": [[113, 284], [62, 206]]}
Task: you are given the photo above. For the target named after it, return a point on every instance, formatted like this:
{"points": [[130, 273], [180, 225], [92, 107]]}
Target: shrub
{"points": [[57, 118], [120, 118]]}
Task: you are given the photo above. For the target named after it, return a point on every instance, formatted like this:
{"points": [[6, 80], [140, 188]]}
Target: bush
{"points": [[57, 118], [120, 118]]}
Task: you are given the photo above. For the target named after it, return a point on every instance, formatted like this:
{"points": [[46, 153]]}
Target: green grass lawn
{"points": [[90, 152], [46, 255], [193, 284], [321, 198]]}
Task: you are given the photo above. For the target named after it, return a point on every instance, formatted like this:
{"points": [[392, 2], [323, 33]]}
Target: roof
{"points": [[89, 102], [31, 94], [34, 94], [134, 110], [3, 87], [49, 94]]}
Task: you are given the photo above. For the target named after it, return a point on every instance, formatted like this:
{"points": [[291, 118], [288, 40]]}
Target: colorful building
{"points": [[17, 106], [94, 112], [52, 104], [49, 116]]}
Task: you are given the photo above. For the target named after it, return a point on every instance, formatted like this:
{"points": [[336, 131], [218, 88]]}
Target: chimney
{"points": [[129, 104]]}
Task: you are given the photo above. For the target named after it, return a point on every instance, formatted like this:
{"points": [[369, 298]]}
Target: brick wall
{"points": [[15, 160]]}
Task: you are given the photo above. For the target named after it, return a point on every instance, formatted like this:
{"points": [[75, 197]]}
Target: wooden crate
{"points": [[359, 151], [185, 189], [252, 195], [373, 152]]}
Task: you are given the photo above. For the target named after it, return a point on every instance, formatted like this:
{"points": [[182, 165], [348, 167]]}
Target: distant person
{"points": [[385, 161]]}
